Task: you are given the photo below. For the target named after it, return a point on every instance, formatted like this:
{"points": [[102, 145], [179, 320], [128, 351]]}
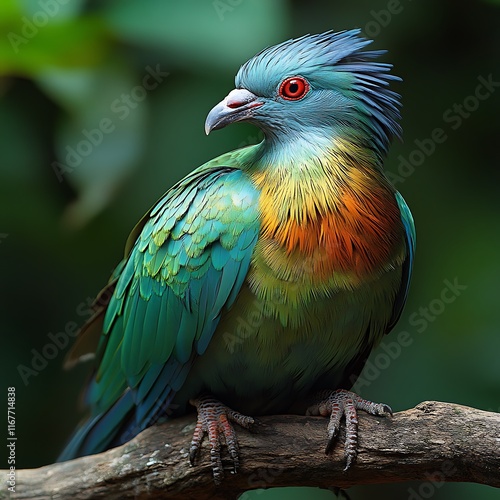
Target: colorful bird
{"points": [[266, 276]]}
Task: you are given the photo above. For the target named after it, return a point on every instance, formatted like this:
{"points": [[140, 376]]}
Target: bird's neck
{"points": [[328, 200]]}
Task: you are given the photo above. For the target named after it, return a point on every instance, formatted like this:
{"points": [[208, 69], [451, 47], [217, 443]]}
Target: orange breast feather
{"points": [[358, 230]]}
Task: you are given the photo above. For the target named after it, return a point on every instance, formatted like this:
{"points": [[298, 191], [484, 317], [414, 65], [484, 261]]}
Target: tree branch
{"points": [[432, 442]]}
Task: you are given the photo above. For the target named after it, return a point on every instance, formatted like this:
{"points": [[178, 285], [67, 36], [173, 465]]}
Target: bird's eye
{"points": [[294, 88]]}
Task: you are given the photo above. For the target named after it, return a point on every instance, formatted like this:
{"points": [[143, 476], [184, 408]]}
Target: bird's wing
{"points": [[410, 234], [188, 260]]}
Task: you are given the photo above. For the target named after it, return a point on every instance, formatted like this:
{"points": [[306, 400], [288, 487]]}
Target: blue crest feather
{"points": [[336, 61]]}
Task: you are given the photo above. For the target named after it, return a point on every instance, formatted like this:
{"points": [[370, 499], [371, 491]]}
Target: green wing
{"points": [[188, 260], [410, 236]]}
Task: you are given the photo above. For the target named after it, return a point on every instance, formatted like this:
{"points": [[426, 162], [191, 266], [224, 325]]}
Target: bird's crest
{"points": [[333, 61]]}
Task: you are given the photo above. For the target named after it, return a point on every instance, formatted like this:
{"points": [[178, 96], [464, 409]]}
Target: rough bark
{"points": [[432, 442]]}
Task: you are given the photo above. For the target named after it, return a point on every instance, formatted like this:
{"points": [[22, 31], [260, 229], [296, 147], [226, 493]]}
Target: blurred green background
{"points": [[71, 193]]}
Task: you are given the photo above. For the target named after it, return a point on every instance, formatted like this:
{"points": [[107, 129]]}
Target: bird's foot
{"points": [[215, 419], [341, 403]]}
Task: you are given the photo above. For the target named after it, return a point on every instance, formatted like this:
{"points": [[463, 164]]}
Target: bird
{"points": [[261, 281]]}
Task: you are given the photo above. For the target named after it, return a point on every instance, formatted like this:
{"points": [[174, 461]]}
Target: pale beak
{"points": [[236, 107]]}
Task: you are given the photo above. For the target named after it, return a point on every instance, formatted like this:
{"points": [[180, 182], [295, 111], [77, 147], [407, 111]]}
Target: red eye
{"points": [[294, 88]]}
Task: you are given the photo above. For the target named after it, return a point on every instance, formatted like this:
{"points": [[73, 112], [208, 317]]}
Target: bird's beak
{"points": [[237, 106]]}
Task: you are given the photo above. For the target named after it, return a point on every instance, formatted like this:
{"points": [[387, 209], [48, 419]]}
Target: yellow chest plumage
{"points": [[328, 224]]}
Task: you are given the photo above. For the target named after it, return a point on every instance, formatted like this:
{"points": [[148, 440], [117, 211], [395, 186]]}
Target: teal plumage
{"points": [[186, 265], [268, 273]]}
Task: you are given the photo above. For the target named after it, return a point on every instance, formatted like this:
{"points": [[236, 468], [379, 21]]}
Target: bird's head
{"points": [[317, 84]]}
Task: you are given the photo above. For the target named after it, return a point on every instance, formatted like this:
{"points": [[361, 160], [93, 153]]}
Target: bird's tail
{"points": [[121, 422], [101, 432]]}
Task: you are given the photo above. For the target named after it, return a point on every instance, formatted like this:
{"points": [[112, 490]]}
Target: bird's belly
{"points": [[261, 361]]}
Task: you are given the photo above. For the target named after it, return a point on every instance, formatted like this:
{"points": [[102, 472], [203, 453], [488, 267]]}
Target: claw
{"points": [[214, 420], [342, 403]]}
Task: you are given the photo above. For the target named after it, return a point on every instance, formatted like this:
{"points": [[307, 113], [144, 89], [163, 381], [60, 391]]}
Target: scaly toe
{"points": [[214, 420], [341, 403]]}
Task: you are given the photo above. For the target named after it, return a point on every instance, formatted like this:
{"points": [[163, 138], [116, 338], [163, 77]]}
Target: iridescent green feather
{"points": [[185, 267]]}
